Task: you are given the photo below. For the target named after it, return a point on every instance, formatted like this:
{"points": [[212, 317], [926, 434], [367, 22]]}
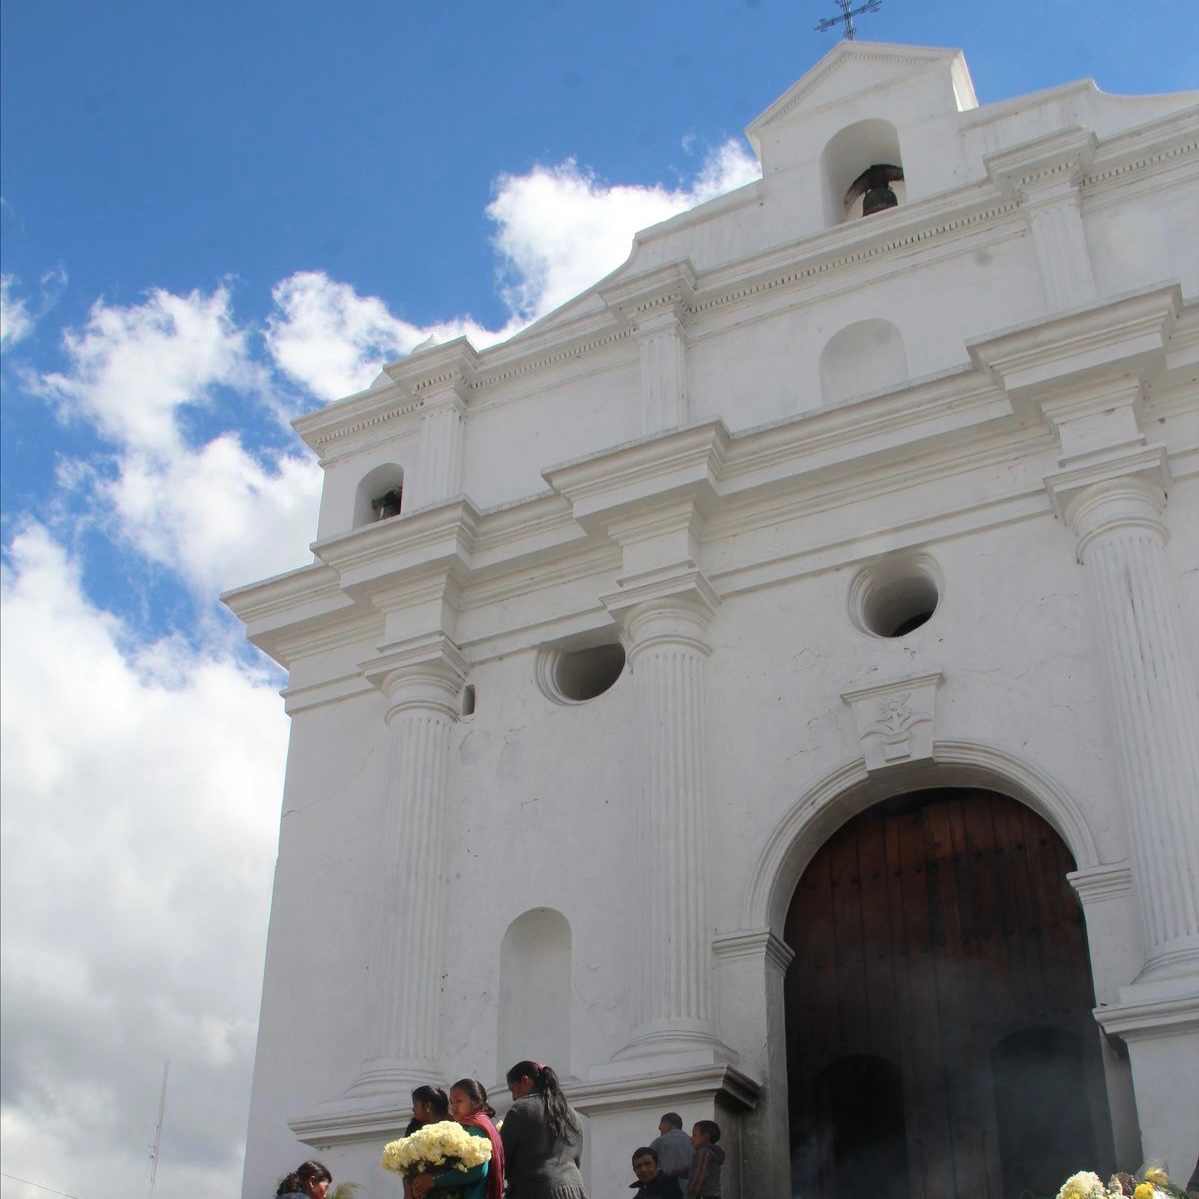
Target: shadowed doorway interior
{"points": [[940, 1041]]}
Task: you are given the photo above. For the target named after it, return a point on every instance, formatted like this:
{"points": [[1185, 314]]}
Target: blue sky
{"points": [[216, 217]]}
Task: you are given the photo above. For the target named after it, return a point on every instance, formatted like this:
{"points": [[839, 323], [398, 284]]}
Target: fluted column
{"points": [[1154, 704], [668, 651], [406, 948]]}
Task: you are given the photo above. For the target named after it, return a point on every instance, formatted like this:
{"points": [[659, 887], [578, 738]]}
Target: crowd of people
{"points": [[536, 1151]]}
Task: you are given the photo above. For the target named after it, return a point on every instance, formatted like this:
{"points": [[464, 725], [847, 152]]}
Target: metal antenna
{"points": [[162, 1103], [847, 15]]}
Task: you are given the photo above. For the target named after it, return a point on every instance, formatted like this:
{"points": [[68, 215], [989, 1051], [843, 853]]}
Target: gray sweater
{"points": [[538, 1165]]}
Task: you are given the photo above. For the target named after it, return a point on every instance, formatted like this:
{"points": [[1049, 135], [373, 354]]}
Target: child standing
{"points": [[704, 1182]]}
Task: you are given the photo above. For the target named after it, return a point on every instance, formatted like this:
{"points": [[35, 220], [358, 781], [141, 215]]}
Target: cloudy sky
{"points": [[218, 216]]}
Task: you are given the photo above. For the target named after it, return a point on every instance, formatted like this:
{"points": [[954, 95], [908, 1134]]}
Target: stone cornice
{"points": [[604, 485], [1098, 884], [451, 366], [334, 1124], [1064, 155], [823, 259], [664, 1088], [1127, 335], [759, 945], [357, 417], [634, 297], [1138, 157], [441, 533], [1174, 1016]]}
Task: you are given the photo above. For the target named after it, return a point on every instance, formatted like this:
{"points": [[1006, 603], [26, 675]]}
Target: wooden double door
{"points": [[940, 1041]]}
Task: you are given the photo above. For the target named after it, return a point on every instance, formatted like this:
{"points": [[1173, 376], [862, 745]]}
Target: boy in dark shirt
{"points": [[652, 1181], [704, 1182]]}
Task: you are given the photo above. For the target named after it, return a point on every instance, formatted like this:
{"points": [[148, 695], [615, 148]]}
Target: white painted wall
{"points": [[543, 800]]}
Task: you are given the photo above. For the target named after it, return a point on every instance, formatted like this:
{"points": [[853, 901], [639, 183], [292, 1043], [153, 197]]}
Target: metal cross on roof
{"points": [[847, 15]]}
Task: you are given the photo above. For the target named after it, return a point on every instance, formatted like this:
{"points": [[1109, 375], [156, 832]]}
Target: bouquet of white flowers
{"points": [[445, 1145]]}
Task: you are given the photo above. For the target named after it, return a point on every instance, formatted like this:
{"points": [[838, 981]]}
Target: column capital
{"points": [[1045, 167], [421, 672], [1124, 491], [436, 370], [653, 299], [675, 606]]}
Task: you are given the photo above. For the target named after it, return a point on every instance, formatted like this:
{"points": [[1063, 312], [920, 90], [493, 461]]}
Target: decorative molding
{"points": [[1138, 467], [669, 287], [345, 1122], [1126, 335], [1102, 883], [895, 720], [760, 945], [918, 58], [1064, 154], [603, 484], [1170, 1017], [664, 1088]]}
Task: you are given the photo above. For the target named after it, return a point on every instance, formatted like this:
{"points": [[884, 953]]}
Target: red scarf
{"points": [[495, 1174]]}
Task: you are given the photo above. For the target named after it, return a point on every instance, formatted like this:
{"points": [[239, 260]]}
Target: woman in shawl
{"points": [[469, 1106]]}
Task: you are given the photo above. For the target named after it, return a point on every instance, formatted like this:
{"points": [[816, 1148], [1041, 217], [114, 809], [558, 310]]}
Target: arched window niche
{"points": [[535, 999], [864, 357], [379, 494], [847, 156]]}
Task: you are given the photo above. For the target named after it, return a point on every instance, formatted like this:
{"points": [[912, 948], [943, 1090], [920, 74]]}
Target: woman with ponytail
{"points": [[543, 1137]]}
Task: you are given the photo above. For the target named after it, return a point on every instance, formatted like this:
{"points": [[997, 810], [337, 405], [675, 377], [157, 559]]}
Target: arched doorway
{"points": [[938, 1007]]}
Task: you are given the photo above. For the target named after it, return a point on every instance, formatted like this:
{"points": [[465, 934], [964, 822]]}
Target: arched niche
{"points": [[863, 357], [535, 1000], [847, 155], [385, 481]]}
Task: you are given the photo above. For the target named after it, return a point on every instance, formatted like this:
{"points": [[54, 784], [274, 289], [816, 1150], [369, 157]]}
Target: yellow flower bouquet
{"points": [[445, 1145], [1154, 1183]]}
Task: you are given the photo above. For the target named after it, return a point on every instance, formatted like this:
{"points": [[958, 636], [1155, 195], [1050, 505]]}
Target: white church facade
{"points": [[766, 687]]}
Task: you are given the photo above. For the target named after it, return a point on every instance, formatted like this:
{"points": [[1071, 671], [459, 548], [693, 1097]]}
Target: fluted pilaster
{"points": [[442, 437], [663, 349], [1045, 176], [1055, 219], [402, 1029], [1155, 707]]}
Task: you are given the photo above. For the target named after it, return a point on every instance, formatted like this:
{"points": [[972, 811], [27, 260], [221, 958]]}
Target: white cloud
{"points": [[213, 512], [216, 514], [141, 778], [333, 341], [141, 798], [133, 368], [16, 322], [561, 230]]}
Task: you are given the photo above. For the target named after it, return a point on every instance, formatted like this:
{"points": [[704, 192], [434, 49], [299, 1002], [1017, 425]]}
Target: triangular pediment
{"points": [[854, 67]]}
